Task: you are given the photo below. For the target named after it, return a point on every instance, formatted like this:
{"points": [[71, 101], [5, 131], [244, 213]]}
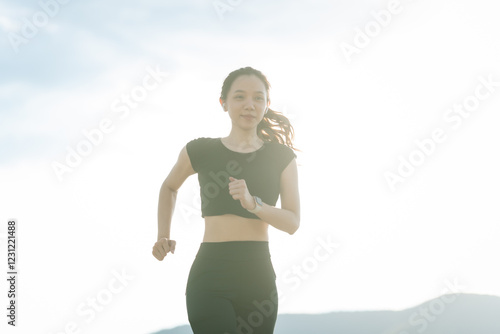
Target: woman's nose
{"points": [[249, 105]]}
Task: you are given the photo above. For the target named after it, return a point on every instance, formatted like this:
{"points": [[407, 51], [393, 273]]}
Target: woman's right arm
{"points": [[168, 192]]}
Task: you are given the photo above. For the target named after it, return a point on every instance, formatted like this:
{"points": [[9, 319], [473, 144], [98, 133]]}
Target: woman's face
{"points": [[246, 101]]}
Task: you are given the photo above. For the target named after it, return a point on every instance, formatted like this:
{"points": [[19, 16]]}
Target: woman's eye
{"points": [[260, 98], [239, 97]]}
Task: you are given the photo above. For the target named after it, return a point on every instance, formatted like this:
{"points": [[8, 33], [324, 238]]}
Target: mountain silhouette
{"points": [[447, 314]]}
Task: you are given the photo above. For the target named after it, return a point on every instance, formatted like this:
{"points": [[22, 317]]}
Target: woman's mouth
{"points": [[248, 117]]}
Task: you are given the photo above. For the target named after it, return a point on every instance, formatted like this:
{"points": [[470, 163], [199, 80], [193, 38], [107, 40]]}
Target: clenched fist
{"points": [[162, 247], [239, 191]]}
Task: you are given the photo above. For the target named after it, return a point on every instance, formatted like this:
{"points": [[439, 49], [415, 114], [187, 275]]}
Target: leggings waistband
{"points": [[234, 250]]}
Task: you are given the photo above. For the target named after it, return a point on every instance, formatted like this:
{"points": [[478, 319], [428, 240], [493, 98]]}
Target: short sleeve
{"points": [[194, 150], [286, 155]]}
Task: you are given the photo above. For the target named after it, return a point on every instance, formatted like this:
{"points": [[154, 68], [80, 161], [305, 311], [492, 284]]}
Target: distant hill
{"points": [[448, 314]]}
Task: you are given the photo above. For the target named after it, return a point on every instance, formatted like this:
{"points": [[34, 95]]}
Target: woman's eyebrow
{"points": [[242, 91]]}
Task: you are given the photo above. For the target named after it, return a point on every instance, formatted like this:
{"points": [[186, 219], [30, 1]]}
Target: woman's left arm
{"points": [[288, 217], [285, 219]]}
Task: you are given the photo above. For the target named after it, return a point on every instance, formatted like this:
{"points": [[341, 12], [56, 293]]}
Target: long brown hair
{"points": [[274, 127]]}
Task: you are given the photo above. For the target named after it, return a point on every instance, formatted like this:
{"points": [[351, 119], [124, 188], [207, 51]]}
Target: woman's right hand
{"points": [[162, 247]]}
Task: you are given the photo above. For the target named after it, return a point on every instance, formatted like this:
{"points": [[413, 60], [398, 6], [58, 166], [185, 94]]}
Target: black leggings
{"points": [[231, 289]]}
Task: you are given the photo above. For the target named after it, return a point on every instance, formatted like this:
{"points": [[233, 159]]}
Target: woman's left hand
{"points": [[238, 189]]}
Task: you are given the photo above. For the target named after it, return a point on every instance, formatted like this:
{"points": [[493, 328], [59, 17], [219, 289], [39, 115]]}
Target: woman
{"points": [[231, 286]]}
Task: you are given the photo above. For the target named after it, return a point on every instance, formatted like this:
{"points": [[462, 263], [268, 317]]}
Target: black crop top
{"points": [[260, 169]]}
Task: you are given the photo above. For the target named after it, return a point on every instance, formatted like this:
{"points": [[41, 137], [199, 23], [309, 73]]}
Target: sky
{"points": [[395, 110]]}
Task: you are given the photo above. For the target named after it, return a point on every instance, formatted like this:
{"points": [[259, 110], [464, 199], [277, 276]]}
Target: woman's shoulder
{"points": [[201, 145], [202, 141], [281, 149], [199, 150]]}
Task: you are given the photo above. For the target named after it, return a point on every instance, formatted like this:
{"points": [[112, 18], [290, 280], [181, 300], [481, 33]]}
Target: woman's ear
{"points": [[222, 103]]}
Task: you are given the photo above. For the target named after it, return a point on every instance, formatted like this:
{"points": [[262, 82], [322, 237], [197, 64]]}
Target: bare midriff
{"points": [[230, 227]]}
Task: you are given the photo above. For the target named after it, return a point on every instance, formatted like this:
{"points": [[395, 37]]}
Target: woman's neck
{"points": [[243, 140]]}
